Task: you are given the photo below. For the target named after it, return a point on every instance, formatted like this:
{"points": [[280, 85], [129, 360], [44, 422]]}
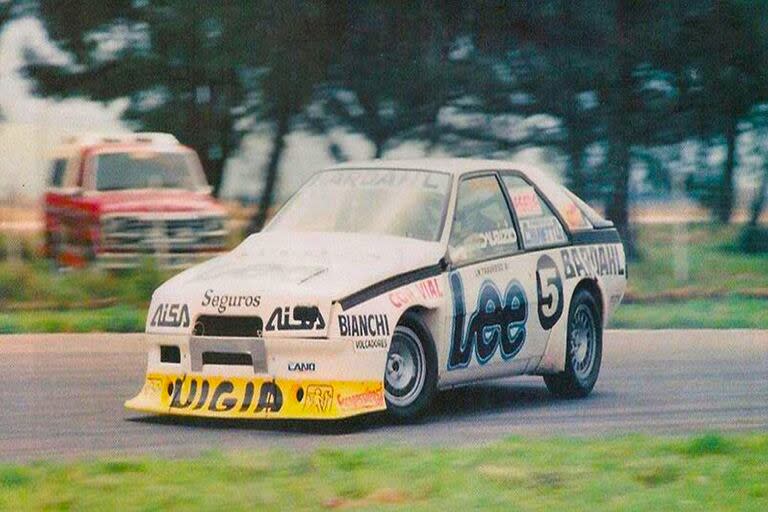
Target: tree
{"points": [[725, 50], [176, 62], [300, 41], [390, 74]]}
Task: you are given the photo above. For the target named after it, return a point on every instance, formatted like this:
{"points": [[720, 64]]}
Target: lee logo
{"points": [[223, 399], [304, 318], [496, 322], [171, 315]]}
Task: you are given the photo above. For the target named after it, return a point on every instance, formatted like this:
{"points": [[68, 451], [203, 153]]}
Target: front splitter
{"points": [[222, 397]]}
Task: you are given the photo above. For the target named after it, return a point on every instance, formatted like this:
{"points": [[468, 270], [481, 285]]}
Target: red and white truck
{"points": [[113, 200]]}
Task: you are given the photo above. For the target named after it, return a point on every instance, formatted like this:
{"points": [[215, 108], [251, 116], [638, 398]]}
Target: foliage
{"points": [[584, 77], [710, 472]]}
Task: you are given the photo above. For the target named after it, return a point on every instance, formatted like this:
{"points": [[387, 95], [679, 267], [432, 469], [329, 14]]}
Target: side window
{"points": [[538, 225], [482, 225], [58, 168]]}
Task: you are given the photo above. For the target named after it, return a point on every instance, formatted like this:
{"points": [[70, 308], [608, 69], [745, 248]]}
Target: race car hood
{"points": [[270, 275]]}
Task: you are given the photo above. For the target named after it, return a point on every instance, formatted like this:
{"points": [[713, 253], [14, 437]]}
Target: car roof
{"points": [[454, 166]]}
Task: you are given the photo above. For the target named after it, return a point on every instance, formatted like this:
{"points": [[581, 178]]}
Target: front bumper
{"points": [[274, 378], [220, 397]]}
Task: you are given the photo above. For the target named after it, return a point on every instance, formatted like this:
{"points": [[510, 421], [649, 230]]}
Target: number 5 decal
{"points": [[549, 288]]}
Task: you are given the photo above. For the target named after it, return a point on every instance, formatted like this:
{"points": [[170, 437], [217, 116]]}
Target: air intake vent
{"points": [[227, 358], [229, 326], [170, 354]]}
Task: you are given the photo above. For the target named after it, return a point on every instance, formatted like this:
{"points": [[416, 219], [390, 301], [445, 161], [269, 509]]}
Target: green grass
{"points": [[714, 260], [630, 473], [728, 313], [110, 319]]}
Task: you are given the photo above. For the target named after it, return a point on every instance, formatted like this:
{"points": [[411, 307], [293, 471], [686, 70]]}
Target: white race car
{"points": [[380, 283]]}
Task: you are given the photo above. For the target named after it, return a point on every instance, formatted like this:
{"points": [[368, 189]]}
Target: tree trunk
{"points": [[618, 138], [759, 202], [725, 207], [379, 148], [267, 194]]}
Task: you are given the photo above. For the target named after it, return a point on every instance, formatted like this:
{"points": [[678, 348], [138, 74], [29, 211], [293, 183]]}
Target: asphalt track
{"points": [[61, 396]]}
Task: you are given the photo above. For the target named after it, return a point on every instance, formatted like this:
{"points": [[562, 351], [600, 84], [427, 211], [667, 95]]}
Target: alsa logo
{"points": [[304, 318], [604, 260], [171, 315], [364, 325], [301, 367]]}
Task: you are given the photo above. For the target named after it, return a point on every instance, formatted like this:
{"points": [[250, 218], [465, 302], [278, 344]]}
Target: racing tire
{"points": [[584, 349], [410, 374]]}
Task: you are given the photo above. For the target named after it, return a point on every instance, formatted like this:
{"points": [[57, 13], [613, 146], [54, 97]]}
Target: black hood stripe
{"points": [[389, 284]]}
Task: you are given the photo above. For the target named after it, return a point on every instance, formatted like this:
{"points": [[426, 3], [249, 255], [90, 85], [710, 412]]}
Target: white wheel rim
{"points": [[583, 342], [404, 374]]}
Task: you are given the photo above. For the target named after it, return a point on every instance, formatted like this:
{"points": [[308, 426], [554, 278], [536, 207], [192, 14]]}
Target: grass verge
{"points": [[631, 473], [728, 313], [111, 319]]}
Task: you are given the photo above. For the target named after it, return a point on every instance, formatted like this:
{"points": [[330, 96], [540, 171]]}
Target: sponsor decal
{"points": [[526, 202], [301, 367], [382, 179], [372, 344], [498, 321], [222, 302], [254, 398], [170, 315], [366, 400], [542, 231], [303, 318], [593, 261], [318, 398], [498, 237], [573, 216], [549, 288], [426, 290], [199, 395], [364, 325], [494, 268]]}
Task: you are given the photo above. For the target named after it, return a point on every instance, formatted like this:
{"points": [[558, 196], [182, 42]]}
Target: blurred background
{"points": [[654, 112]]}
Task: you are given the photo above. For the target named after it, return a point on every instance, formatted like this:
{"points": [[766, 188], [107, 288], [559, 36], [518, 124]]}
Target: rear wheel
{"points": [[584, 349], [410, 376]]}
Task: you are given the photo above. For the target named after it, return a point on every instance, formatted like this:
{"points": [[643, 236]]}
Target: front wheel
{"points": [[410, 376], [584, 349]]}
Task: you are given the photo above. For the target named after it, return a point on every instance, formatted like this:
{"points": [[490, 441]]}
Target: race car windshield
{"points": [[150, 169], [409, 204]]}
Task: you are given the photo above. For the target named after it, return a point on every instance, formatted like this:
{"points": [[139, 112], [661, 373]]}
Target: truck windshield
{"points": [[147, 169], [409, 204]]}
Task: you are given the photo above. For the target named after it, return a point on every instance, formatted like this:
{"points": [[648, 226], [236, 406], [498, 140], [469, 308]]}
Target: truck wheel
{"points": [[410, 376], [584, 349]]}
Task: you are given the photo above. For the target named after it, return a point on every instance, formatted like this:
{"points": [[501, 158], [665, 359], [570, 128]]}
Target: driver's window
{"points": [[482, 224]]}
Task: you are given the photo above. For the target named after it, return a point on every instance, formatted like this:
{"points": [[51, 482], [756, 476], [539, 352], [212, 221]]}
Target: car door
{"points": [[542, 235], [493, 290]]}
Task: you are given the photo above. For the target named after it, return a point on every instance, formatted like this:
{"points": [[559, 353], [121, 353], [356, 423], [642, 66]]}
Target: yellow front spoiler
{"points": [[217, 397]]}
